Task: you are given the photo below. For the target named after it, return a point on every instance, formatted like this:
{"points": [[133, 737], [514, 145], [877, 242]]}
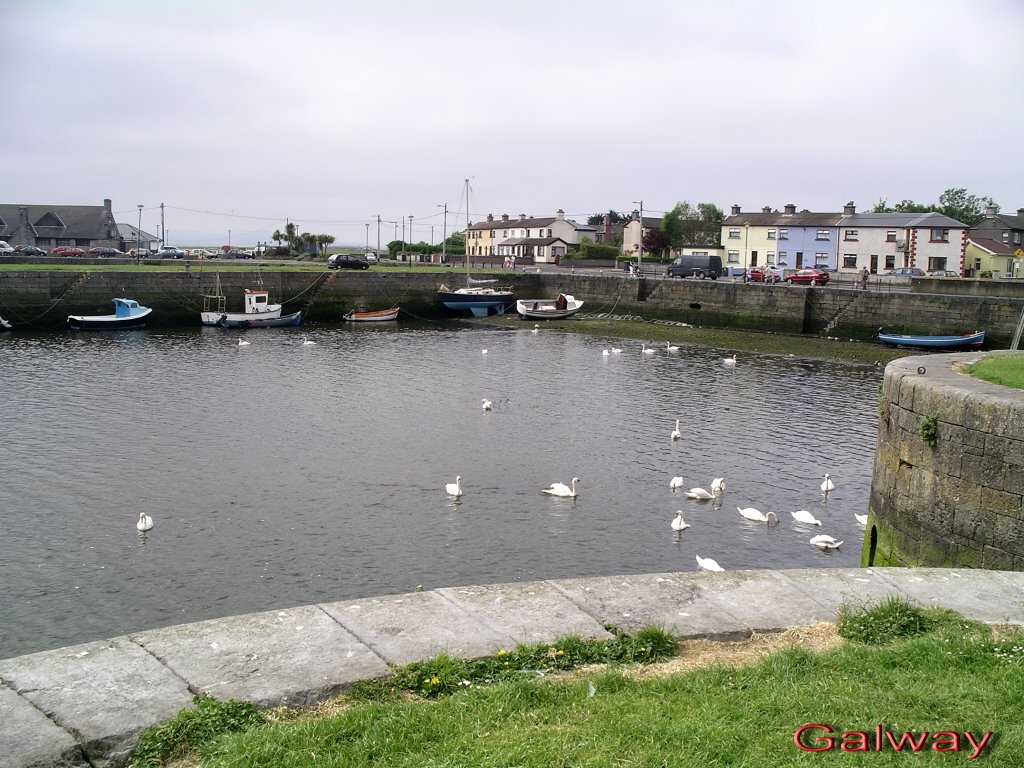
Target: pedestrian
{"points": [[864, 279]]}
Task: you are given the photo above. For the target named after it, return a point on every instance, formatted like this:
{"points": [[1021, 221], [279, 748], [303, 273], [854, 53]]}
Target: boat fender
{"points": [[921, 370]]}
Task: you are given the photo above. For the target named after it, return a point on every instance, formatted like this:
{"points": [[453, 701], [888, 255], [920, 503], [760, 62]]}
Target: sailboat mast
{"points": [[467, 231]]}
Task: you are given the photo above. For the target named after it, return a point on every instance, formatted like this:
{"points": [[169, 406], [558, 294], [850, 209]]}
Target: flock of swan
{"points": [[729, 362], [306, 342], [557, 489]]}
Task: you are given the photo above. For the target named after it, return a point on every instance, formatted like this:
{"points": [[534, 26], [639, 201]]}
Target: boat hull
{"points": [[478, 302], [546, 309], [260, 321], [379, 316], [108, 322], [933, 342], [214, 318]]}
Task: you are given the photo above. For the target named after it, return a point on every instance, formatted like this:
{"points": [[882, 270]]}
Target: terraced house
{"points": [[542, 240], [995, 244]]}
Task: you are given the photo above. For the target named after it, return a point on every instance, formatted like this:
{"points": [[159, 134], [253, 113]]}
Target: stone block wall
{"points": [[948, 484]]}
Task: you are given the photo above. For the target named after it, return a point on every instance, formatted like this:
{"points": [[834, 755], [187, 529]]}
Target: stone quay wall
{"points": [[43, 299], [948, 482]]}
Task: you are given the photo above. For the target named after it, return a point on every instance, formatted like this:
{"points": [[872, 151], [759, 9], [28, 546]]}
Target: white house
{"points": [[884, 241], [544, 240]]}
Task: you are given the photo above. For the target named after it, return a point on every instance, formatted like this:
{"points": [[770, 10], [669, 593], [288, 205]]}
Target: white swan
{"points": [[671, 347], [729, 360], [675, 482], [486, 404], [699, 493], [825, 542], [679, 524], [862, 519], [145, 522], [827, 484], [616, 350], [605, 352], [645, 349], [454, 489], [803, 516], [757, 515], [536, 328], [718, 485], [242, 343], [483, 351], [561, 489], [676, 434], [708, 564], [307, 342]]}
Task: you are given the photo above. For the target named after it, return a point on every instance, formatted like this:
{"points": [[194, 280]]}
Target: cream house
{"points": [[541, 240]]}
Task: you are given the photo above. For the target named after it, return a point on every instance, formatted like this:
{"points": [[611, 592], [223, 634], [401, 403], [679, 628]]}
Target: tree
{"points": [[656, 241], [686, 225], [955, 203], [614, 217], [322, 241]]}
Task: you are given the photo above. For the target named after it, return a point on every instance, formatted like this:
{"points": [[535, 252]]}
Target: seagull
{"points": [[454, 489], [708, 564], [825, 542], [675, 482], [827, 484], [729, 360], [862, 519], [803, 516], [307, 342], [757, 515], [679, 524], [645, 349], [145, 522], [718, 485], [561, 489], [536, 328], [486, 404], [676, 434], [671, 347], [242, 343], [699, 493]]}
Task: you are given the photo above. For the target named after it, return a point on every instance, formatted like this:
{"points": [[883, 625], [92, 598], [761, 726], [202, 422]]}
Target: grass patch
{"points": [[950, 674], [1007, 370]]}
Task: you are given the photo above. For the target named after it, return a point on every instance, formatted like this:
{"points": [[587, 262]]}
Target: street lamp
{"points": [[367, 239], [746, 252], [444, 233], [640, 256], [410, 237], [138, 235]]}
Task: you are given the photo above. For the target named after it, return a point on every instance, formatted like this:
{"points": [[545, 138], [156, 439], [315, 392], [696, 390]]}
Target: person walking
{"points": [[864, 279]]}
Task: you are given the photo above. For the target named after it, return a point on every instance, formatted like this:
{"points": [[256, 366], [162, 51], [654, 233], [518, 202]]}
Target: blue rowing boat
{"points": [[975, 339]]}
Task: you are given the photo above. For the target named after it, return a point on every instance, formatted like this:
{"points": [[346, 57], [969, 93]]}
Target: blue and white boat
{"points": [[128, 313], [975, 339]]}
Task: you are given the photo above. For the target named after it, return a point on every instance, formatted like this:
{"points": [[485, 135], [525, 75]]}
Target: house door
{"points": [[874, 264], [753, 258], [799, 259]]}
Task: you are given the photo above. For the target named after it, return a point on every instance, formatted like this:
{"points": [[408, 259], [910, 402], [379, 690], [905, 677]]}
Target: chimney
{"points": [[766, 209], [522, 217], [560, 214], [735, 210], [504, 217], [790, 208], [849, 209], [490, 217], [1020, 211], [607, 222]]}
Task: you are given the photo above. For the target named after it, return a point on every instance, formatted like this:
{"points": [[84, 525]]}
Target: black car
{"points": [[29, 250], [105, 253], [346, 261]]}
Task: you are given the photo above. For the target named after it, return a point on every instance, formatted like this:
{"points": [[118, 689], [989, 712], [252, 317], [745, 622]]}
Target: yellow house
{"points": [[986, 255]]}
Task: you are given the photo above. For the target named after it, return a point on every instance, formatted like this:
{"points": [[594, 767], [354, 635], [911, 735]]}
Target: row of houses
{"points": [[846, 241]]}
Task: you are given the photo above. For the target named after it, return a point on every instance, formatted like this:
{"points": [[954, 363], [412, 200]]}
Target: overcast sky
{"points": [[240, 115]]}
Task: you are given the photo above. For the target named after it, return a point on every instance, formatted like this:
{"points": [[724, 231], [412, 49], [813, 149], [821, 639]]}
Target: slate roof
{"points": [[901, 220], [127, 233], [532, 241], [1011, 220], [777, 219], [57, 221], [992, 246]]}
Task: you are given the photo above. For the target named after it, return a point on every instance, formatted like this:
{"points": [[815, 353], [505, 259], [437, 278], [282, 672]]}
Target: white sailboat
{"points": [[479, 298]]}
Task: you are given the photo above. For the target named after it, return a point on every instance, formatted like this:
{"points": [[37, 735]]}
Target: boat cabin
{"points": [[126, 307], [256, 300]]}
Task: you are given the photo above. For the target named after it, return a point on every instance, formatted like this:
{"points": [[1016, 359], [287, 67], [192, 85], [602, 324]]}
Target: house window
{"points": [[734, 233], [782, 259], [783, 234], [822, 234], [890, 236], [821, 258], [771, 234], [940, 236], [1006, 235], [527, 233], [733, 257], [770, 255], [935, 262], [505, 234], [63, 241], [890, 261], [549, 233], [849, 261], [1016, 238], [850, 234]]}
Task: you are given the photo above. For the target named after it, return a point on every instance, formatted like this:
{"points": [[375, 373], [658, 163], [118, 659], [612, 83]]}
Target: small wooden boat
{"points": [[128, 313], [975, 339], [549, 309], [238, 320], [378, 316]]}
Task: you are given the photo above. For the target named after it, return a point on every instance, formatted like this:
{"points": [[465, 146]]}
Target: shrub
{"points": [[928, 429], [892, 619]]}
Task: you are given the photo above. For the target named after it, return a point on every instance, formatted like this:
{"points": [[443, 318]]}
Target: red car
{"points": [[808, 277], [769, 274], [67, 250]]}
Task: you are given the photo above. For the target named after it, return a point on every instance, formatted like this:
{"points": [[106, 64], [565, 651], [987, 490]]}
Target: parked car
{"points": [[105, 252], [170, 252], [371, 258], [766, 274], [142, 253], [905, 272], [943, 273], [699, 265], [346, 261], [29, 250], [6, 247], [236, 253], [808, 277], [67, 250]]}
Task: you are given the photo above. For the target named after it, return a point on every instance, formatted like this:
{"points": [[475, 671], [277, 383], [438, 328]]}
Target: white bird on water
{"points": [[803, 516], [605, 352], [536, 328], [645, 349], [825, 542], [676, 434], [679, 524], [708, 564], [145, 522], [675, 482], [561, 489], [827, 484], [616, 350], [718, 485], [243, 343], [486, 404], [306, 342], [671, 347], [862, 519], [757, 515], [483, 351], [454, 489], [699, 493], [729, 360]]}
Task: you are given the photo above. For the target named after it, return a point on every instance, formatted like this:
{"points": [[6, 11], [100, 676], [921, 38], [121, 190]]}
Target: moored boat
{"points": [[975, 339], [564, 306], [257, 308], [241, 320], [377, 316], [128, 313]]}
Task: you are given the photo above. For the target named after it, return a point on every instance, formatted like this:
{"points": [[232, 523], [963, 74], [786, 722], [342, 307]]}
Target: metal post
{"points": [[378, 235], [138, 235], [640, 253], [444, 235], [367, 238], [410, 237]]}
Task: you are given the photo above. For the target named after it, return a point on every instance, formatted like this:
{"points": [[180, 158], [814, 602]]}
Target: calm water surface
{"points": [[280, 474]]}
